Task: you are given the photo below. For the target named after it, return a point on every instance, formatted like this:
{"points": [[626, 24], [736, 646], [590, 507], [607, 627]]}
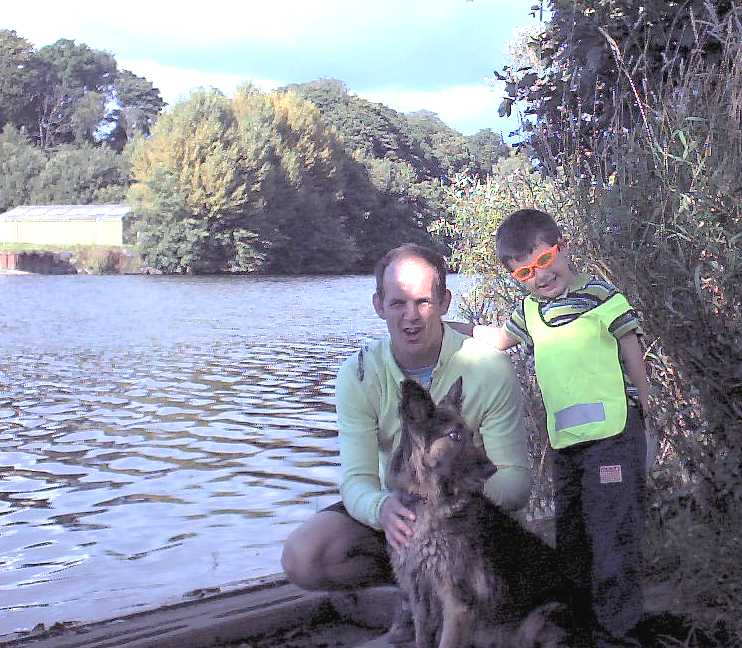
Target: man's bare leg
{"points": [[333, 551]]}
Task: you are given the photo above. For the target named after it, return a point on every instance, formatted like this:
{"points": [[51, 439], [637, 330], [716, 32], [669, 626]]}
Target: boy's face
{"points": [[550, 282]]}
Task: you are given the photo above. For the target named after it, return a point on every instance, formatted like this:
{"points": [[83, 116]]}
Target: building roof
{"points": [[65, 212]]}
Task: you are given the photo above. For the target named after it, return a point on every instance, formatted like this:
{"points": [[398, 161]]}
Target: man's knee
{"points": [[331, 551], [300, 563], [311, 550]]}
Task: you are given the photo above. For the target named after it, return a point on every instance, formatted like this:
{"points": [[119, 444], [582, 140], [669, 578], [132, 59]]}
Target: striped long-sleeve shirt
{"points": [[584, 294]]}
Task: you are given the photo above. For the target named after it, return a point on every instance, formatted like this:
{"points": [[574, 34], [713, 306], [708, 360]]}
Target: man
{"points": [[343, 546]]}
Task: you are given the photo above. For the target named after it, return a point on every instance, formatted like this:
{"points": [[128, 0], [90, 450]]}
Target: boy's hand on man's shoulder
{"points": [[497, 336]]}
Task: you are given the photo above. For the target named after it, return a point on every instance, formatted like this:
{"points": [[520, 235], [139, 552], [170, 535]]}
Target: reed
{"points": [[648, 192]]}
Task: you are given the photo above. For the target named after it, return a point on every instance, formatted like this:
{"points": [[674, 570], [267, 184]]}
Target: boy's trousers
{"points": [[599, 495]]}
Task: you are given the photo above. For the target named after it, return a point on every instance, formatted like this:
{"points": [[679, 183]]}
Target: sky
{"points": [[436, 55]]}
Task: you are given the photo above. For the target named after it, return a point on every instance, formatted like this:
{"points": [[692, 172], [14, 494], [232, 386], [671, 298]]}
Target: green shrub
{"points": [[91, 259], [648, 158]]}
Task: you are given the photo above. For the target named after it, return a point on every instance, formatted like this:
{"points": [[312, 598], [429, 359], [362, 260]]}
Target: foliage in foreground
{"points": [[655, 171], [635, 121]]}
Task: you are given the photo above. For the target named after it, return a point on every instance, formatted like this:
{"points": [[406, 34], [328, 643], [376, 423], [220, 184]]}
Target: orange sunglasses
{"points": [[543, 261]]}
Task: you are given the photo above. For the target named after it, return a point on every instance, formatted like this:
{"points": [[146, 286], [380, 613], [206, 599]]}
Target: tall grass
{"points": [[651, 201]]}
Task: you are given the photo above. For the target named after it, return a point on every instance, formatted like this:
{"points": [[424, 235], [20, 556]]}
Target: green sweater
{"points": [[368, 393]]}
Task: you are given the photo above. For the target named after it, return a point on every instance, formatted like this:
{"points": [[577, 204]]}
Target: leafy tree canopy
{"points": [[63, 93], [19, 81], [375, 131], [251, 183], [81, 175], [582, 70], [20, 162]]}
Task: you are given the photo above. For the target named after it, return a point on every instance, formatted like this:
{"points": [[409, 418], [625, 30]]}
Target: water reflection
{"points": [[163, 436]]}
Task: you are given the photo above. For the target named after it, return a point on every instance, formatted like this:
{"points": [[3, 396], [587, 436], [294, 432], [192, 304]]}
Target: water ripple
{"points": [[147, 449]]}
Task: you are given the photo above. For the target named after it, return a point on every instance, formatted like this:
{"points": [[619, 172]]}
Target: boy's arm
{"points": [[497, 336], [633, 361]]}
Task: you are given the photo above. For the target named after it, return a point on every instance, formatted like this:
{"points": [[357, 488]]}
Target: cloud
{"points": [[463, 107], [416, 43], [466, 107], [222, 22], [409, 55], [175, 83]]}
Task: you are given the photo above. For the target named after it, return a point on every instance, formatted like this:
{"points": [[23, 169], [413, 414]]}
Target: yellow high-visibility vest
{"points": [[579, 373]]}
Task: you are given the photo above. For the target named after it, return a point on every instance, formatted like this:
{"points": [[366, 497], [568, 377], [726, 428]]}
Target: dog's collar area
{"points": [[452, 507]]}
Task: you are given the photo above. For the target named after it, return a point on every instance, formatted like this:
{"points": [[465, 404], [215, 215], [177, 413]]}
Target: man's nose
{"points": [[412, 312]]}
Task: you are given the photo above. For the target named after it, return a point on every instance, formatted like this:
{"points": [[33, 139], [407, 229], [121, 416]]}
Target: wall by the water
{"points": [[38, 262]]}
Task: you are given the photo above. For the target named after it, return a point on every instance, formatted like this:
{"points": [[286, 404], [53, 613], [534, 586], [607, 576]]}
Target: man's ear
{"points": [[446, 302], [378, 305], [454, 397], [416, 405]]}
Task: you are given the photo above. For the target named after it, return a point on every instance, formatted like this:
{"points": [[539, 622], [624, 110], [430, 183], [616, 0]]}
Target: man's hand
{"points": [[396, 521]]}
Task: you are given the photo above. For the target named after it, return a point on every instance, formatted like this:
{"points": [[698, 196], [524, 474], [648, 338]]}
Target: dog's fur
{"points": [[467, 559]]}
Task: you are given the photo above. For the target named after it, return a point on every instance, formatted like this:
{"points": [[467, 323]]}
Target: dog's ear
{"points": [[455, 397], [416, 405]]}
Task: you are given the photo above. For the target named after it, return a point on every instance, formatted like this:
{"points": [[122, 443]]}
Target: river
{"points": [[161, 436]]}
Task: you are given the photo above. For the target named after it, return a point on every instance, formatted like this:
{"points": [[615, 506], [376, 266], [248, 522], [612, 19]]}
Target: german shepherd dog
{"points": [[467, 559]]}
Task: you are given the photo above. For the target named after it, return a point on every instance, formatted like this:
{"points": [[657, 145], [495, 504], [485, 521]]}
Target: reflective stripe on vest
{"points": [[579, 415], [579, 373]]}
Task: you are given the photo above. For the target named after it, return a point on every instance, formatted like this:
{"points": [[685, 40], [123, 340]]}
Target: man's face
{"points": [[412, 310], [551, 282]]}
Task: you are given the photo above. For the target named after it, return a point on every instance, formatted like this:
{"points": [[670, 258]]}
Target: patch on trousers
{"points": [[610, 475]]}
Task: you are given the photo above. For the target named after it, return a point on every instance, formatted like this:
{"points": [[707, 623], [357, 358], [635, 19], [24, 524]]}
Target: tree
{"points": [[20, 163], [190, 191], [138, 103], [252, 183], [487, 148], [306, 222], [19, 81], [86, 117], [80, 175], [585, 86], [444, 148], [405, 157], [68, 92], [69, 72], [367, 129]]}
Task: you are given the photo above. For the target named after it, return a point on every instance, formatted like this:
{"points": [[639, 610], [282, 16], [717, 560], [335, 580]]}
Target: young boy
{"points": [[591, 373]]}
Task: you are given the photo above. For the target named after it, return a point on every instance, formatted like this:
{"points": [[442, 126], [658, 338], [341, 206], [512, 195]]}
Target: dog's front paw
{"points": [[402, 629]]}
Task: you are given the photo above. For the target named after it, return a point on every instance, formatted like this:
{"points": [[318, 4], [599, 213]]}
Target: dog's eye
{"points": [[455, 435]]}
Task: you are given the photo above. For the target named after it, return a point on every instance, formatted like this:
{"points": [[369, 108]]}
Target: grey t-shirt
{"points": [[424, 375]]}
